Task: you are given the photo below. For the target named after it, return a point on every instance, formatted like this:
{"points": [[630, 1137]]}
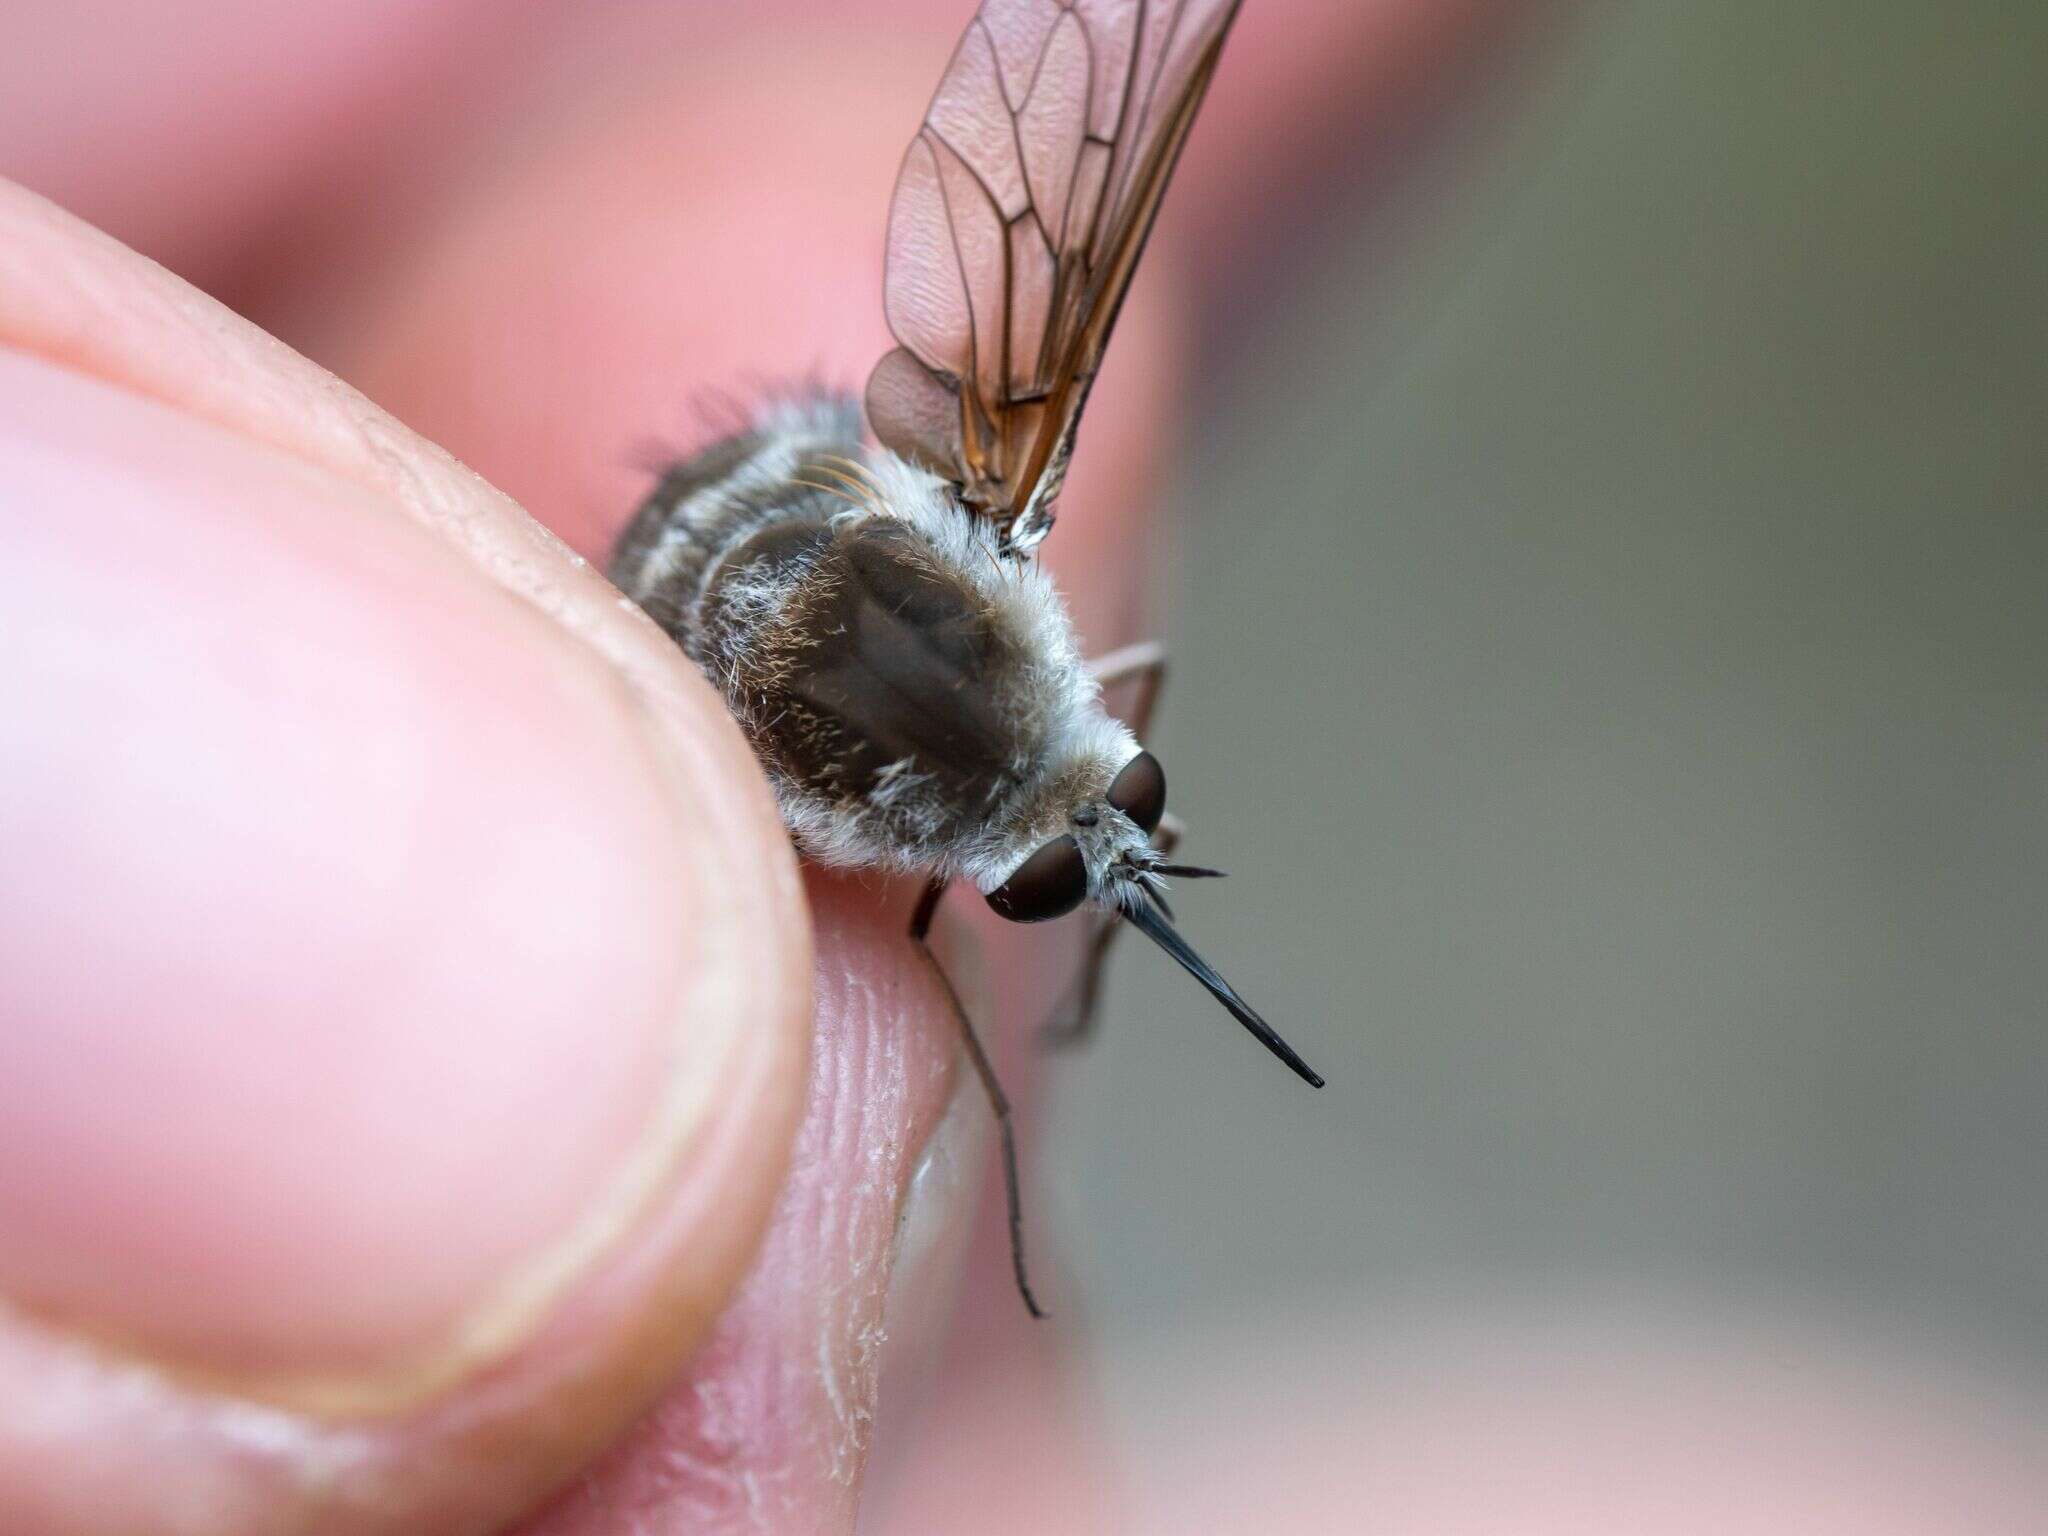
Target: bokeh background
{"points": [[1612, 660]]}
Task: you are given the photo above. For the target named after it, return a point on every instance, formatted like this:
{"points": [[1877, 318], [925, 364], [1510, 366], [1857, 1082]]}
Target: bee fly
{"points": [[875, 617]]}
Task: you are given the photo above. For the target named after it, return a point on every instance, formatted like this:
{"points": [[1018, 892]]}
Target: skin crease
{"points": [[478, 309]]}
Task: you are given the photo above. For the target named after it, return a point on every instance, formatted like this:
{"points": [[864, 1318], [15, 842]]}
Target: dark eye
{"points": [[1140, 791], [1049, 884]]}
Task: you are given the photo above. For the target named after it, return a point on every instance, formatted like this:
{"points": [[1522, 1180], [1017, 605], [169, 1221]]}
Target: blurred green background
{"points": [[1612, 661]]}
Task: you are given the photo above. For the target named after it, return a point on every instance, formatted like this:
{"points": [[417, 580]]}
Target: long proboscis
{"points": [[1155, 927]]}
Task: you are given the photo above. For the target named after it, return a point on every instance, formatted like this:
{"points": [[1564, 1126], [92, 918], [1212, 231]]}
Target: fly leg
{"points": [[1073, 1021], [920, 935], [1140, 669]]}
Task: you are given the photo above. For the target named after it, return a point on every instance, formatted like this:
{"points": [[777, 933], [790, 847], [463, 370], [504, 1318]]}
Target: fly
{"points": [[874, 615]]}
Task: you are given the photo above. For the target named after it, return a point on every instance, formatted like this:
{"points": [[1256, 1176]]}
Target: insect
{"points": [[875, 617]]}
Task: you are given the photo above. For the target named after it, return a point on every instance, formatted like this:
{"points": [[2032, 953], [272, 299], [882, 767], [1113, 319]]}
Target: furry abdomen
{"points": [[870, 680], [907, 692]]}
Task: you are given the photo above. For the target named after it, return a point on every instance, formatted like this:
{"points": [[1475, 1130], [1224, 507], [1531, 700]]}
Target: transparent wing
{"points": [[1019, 215]]}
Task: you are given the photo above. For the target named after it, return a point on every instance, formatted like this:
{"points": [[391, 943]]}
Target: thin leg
{"points": [[1143, 667], [920, 933], [1073, 1021]]}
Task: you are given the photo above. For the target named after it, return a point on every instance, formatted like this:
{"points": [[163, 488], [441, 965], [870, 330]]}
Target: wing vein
{"points": [[1097, 136]]}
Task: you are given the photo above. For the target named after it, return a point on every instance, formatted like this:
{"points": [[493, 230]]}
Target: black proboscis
{"points": [[1156, 928]]}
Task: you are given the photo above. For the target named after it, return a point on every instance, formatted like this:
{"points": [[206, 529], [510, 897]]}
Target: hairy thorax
{"points": [[872, 680], [914, 694]]}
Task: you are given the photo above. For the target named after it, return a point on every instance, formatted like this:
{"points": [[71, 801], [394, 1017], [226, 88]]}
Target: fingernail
{"points": [[360, 997]]}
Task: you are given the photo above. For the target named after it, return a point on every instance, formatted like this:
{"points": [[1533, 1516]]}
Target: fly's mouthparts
{"points": [[1160, 930]]}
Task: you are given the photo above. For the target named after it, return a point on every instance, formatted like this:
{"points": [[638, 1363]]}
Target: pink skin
{"points": [[375, 885]]}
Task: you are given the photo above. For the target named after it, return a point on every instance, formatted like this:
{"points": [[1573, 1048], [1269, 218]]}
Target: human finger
{"points": [[406, 978]]}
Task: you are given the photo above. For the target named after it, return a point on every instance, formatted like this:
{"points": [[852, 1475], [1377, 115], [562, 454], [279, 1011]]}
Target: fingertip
{"points": [[411, 978]]}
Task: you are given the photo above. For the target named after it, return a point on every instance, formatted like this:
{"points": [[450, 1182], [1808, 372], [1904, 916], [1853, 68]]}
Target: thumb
{"points": [[405, 978]]}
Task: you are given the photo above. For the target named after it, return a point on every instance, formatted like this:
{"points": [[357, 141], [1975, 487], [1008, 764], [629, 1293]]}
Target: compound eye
{"points": [[1049, 884], [1140, 791]]}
